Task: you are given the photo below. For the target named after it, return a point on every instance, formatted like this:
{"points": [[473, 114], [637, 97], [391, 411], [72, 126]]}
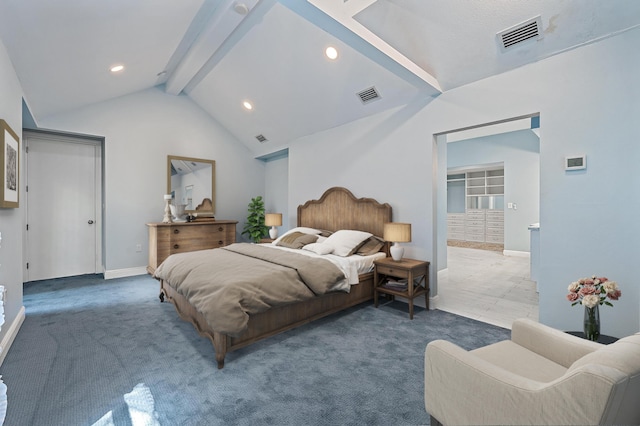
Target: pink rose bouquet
{"points": [[593, 291]]}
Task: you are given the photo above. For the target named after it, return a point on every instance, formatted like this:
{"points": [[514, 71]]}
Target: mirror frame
{"points": [[213, 181]]}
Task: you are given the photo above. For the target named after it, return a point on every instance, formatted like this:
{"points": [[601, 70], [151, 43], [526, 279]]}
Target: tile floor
{"points": [[487, 286]]}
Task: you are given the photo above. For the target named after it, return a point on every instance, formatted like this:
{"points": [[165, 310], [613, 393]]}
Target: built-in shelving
{"points": [[475, 205]]}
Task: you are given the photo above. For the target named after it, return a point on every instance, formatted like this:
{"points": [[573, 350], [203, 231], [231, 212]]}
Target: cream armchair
{"points": [[540, 376]]}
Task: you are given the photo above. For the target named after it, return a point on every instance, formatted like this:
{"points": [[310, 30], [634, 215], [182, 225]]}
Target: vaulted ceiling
{"points": [[271, 52]]}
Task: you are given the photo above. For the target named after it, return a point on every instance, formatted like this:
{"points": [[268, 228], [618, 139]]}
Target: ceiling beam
{"points": [[332, 16], [215, 23]]}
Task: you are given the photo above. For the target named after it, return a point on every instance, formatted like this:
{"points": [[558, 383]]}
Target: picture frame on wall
{"points": [[10, 163]]}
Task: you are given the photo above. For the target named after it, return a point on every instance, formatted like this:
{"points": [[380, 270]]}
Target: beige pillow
{"points": [[345, 242], [370, 246], [297, 240]]}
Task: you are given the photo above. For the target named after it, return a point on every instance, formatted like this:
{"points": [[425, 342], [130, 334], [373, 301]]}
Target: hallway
{"points": [[487, 286]]}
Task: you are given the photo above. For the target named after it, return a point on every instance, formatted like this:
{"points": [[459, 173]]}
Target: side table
{"points": [[604, 339], [415, 272]]}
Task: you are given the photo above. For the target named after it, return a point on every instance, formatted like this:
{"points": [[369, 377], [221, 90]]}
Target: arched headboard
{"points": [[338, 209]]}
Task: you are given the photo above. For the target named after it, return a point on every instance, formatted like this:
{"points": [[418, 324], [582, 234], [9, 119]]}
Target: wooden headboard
{"points": [[339, 209]]}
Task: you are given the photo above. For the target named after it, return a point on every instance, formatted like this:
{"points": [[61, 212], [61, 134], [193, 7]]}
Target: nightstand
{"points": [[266, 240], [415, 272]]}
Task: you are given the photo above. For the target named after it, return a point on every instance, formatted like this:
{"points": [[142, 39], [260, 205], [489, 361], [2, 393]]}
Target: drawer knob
{"points": [[220, 229], [221, 243], [176, 246], [176, 231]]}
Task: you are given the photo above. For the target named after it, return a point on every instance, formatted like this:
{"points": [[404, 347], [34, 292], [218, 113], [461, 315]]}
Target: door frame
{"points": [[98, 142]]}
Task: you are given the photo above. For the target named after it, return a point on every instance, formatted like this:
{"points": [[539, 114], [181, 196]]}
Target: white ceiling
{"points": [[273, 56]]}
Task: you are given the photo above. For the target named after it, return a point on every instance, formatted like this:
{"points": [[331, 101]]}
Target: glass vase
{"points": [[592, 323]]}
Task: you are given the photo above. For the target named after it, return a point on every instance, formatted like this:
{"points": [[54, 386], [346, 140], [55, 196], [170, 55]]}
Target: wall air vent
{"points": [[518, 34], [368, 95], [261, 138]]}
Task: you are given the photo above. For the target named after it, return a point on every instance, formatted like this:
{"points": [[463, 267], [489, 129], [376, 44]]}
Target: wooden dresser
{"points": [[179, 237]]}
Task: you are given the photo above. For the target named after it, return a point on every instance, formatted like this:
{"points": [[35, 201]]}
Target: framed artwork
{"points": [[10, 163]]}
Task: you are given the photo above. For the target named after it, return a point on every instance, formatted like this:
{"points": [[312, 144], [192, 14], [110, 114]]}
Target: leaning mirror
{"points": [[192, 183]]}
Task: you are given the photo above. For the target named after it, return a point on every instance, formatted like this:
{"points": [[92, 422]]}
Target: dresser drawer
{"points": [[495, 215], [474, 237], [453, 229], [475, 215], [494, 231], [495, 238], [474, 230], [193, 238], [455, 236]]}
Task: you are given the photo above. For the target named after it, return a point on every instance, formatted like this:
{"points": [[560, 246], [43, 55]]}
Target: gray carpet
{"points": [[109, 352]]}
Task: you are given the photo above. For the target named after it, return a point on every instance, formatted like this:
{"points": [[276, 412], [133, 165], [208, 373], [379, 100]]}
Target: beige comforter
{"points": [[227, 284]]}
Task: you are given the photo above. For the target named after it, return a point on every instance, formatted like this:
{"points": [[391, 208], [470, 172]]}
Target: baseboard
{"points": [[127, 272], [516, 253], [433, 302], [8, 338]]}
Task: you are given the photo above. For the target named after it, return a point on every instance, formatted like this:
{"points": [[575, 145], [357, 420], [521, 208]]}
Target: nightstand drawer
{"points": [[395, 272]]}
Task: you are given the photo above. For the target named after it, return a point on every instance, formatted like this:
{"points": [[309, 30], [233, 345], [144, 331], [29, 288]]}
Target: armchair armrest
{"points": [[558, 346], [497, 396]]}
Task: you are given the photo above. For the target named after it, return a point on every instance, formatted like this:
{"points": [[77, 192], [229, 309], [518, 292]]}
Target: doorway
{"points": [[490, 286], [63, 235]]}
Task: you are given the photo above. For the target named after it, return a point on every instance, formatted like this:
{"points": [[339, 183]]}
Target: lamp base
{"points": [[397, 251], [273, 233]]}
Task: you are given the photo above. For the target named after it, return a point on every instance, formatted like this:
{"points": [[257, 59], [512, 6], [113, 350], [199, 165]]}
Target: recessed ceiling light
{"points": [[247, 105], [331, 52], [117, 68]]}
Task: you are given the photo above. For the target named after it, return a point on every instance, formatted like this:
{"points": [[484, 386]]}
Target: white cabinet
{"points": [[455, 226], [483, 217]]}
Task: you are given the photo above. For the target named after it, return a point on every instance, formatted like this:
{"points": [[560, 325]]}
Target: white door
{"points": [[62, 207]]}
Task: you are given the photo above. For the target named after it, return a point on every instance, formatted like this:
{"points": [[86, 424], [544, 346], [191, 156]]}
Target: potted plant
{"points": [[255, 227]]}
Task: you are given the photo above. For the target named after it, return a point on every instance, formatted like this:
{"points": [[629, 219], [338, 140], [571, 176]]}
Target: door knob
{"points": [[90, 222]]}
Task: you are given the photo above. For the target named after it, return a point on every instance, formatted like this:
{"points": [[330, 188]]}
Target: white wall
{"points": [[519, 151], [140, 130], [588, 103], [11, 220]]}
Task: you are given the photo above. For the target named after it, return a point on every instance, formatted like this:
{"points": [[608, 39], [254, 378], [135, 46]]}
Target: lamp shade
{"points": [[397, 232], [273, 219]]}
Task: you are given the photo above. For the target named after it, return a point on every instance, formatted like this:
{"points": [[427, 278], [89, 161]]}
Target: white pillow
{"points": [[345, 242], [302, 229], [318, 248]]}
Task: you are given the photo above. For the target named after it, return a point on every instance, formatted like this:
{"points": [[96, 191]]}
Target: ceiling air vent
{"points": [[514, 36], [368, 95], [261, 138]]}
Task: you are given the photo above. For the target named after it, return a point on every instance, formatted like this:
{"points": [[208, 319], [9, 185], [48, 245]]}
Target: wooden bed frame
{"points": [[336, 209]]}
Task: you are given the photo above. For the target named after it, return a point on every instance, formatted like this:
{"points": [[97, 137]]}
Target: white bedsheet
{"points": [[351, 266]]}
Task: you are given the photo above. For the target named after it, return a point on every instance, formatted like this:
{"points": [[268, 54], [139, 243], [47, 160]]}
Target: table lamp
{"points": [[273, 220], [397, 233]]}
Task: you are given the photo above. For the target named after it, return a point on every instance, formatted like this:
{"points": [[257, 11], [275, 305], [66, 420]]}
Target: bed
{"points": [[337, 209]]}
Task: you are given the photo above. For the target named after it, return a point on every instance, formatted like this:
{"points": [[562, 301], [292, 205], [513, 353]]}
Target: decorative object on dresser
{"points": [[273, 220], [166, 239], [406, 278], [254, 227], [177, 211], [167, 209], [396, 233], [10, 161], [335, 211]]}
